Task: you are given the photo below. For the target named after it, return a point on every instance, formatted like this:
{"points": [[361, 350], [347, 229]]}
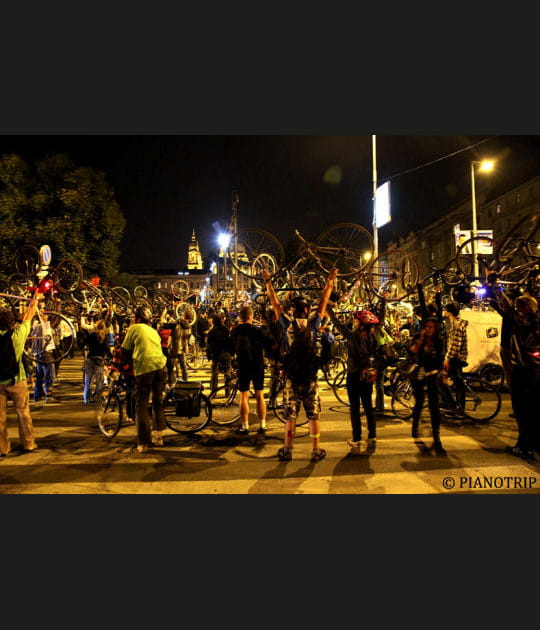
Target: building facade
{"points": [[435, 245]]}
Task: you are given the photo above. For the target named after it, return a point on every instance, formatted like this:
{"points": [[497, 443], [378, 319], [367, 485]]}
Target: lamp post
{"points": [[224, 240], [485, 166]]}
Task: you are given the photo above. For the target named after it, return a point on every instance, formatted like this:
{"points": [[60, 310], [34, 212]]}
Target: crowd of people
{"points": [[294, 334]]}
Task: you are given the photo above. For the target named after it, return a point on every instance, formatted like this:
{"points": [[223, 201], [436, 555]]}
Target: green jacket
{"points": [[18, 339]]}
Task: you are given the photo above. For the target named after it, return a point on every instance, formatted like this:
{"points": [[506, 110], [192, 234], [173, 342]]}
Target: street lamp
{"points": [[224, 240], [485, 166]]}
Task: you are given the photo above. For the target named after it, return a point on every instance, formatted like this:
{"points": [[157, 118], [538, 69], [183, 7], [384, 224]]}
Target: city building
{"points": [[435, 244]]}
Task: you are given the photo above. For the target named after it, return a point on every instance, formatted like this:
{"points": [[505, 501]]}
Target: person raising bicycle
{"points": [[301, 386]]}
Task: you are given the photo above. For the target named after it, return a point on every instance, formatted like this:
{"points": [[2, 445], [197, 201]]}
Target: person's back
{"points": [[142, 344], [248, 342], [145, 344], [218, 341]]}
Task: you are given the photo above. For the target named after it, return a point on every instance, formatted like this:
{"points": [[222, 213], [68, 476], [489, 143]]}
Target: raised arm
{"points": [[326, 292], [272, 296]]}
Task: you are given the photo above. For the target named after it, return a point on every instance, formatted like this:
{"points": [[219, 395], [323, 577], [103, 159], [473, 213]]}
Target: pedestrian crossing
{"points": [[75, 458]]}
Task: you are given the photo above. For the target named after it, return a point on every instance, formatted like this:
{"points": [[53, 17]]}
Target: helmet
{"points": [[300, 304], [366, 317], [144, 314]]}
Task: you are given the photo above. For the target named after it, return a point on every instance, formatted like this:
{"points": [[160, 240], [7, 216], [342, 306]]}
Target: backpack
{"points": [[9, 366], [302, 361]]}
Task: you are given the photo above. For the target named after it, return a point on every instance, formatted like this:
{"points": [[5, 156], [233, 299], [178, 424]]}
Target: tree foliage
{"points": [[68, 207]]}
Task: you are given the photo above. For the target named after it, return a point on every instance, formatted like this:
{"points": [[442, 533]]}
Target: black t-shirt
{"points": [[249, 343]]}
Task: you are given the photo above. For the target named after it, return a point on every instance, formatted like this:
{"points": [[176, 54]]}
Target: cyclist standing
{"points": [[305, 393]]}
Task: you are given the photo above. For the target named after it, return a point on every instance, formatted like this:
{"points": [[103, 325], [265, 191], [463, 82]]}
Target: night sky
{"points": [[168, 185]]}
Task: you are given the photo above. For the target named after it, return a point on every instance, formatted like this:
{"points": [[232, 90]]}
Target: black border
{"points": [[378, 94]]}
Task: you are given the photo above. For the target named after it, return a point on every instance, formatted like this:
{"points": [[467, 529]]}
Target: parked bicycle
{"points": [[482, 400]]}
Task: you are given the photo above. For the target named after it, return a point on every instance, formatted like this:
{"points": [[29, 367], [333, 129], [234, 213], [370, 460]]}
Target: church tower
{"points": [[194, 254]]}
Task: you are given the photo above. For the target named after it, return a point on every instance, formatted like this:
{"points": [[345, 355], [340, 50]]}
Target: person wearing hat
{"points": [[361, 350], [142, 344]]}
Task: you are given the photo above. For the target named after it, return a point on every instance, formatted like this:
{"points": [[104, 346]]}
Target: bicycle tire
{"points": [[225, 407], [523, 237], [339, 387], [494, 374], [255, 246], [334, 366], [185, 424], [349, 247], [67, 275], [55, 320], [482, 400], [451, 275], [109, 412], [465, 260], [393, 276], [280, 410], [180, 289], [403, 400], [27, 261]]}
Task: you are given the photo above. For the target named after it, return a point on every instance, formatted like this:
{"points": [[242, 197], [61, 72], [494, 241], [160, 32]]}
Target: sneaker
{"points": [[144, 448], [519, 452], [372, 442], [242, 431], [157, 439], [354, 444], [317, 454], [262, 431], [284, 454]]}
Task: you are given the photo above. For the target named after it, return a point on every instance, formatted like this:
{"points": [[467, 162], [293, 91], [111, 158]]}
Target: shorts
{"points": [[249, 373]]}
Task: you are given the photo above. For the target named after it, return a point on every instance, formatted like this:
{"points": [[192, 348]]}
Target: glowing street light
{"points": [[485, 166], [224, 240]]}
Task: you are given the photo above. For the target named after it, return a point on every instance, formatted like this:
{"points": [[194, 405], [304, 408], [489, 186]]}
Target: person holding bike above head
{"points": [[301, 386], [361, 350], [427, 349], [524, 329], [13, 384], [143, 344]]}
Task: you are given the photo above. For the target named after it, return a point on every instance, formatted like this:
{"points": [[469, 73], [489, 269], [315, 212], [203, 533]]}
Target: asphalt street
{"points": [[74, 458]]}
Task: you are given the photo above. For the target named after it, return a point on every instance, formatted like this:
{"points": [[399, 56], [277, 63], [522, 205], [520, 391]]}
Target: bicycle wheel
{"points": [[280, 409], [41, 335], [180, 289], [27, 261], [393, 276], [335, 366], [345, 246], [109, 412], [482, 400], [339, 386], [225, 405], [67, 275], [254, 249], [403, 400], [451, 274], [485, 258], [494, 374], [184, 424], [195, 361], [140, 292], [522, 239]]}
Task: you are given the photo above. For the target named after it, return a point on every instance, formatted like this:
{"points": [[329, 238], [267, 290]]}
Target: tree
{"points": [[55, 202]]}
